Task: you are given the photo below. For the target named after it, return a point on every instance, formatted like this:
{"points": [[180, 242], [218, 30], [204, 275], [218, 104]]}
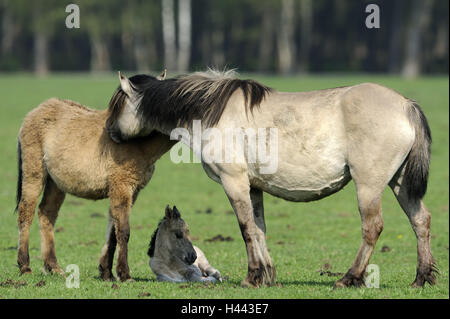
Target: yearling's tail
{"points": [[19, 178], [418, 160]]}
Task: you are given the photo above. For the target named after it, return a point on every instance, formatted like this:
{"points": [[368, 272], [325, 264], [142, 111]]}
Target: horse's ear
{"points": [[168, 212], [125, 84], [162, 76], [176, 213]]}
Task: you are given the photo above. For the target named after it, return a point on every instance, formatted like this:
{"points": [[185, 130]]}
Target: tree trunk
{"points": [[10, 31], [286, 45], [218, 56], [99, 55], [306, 20], [40, 53], [169, 36], [395, 42], [184, 35], [265, 44], [420, 19]]}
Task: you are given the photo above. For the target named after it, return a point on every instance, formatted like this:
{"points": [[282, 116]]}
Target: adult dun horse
{"points": [[366, 132], [64, 148]]}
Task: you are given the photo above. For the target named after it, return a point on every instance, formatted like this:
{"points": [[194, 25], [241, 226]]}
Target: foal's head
{"points": [[123, 121], [171, 238]]}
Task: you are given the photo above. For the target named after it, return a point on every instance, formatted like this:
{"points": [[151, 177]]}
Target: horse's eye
{"points": [[179, 234]]}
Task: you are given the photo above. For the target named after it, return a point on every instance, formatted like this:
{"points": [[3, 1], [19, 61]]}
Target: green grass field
{"points": [[302, 237]]}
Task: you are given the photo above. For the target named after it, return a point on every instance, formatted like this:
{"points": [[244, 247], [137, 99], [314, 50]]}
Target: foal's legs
{"points": [[33, 175], [107, 258], [420, 220], [261, 270], [121, 202], [48, 212], [369, 202]]}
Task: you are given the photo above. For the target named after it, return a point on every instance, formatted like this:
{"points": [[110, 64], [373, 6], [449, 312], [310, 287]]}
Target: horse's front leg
{"points": [[121, 202], [261, 270]]}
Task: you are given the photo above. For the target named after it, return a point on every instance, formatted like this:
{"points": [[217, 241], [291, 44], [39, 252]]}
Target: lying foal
{"points": [[172, 255]]}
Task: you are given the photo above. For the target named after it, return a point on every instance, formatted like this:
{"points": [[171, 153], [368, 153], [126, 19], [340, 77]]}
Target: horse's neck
{"points": [[156, 144]]}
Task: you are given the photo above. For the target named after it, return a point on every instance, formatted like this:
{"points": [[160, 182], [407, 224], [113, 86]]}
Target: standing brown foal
{"points": [[64, 148]]}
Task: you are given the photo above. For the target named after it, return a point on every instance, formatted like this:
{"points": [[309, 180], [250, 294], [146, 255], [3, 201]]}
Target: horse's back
{"points": [[321, 134]]}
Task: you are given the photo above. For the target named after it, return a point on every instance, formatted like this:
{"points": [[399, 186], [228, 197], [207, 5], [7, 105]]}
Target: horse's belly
{"points": [[303, 179], [299, 193], [78, 175]]}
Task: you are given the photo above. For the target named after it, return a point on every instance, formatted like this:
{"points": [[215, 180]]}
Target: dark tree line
{"points": [[286, 36]]}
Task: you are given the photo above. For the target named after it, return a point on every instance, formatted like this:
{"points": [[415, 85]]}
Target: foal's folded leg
{"points": [[203, 263]]}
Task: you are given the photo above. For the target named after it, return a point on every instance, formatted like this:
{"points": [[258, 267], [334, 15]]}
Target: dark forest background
{"points": [[266, 36]]}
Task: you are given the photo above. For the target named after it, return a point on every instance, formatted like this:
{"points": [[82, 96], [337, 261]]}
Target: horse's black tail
{"points": [[418, 160], [19, 177]]}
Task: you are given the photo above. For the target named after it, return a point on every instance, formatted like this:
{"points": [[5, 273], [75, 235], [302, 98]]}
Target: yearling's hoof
{"points": [[53, 270], [127, 280], [247, 284], [25, 270]]}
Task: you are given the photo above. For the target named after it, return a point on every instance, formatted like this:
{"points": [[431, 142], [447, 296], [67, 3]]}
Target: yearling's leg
{"points": [[261, 270], [369, 202], [48, 212], [107, 258], [256, 196], [420, 220], [121, 201], [33, 175]]}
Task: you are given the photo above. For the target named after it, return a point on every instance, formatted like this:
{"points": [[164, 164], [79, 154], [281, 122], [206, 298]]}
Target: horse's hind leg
{"points": [[369, 203], [48, 212], [33, 176], [420, 220], [107, 258]]}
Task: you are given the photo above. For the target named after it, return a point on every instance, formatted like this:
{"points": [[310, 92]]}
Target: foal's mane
{"points": [[151, 248], [197, 96]]}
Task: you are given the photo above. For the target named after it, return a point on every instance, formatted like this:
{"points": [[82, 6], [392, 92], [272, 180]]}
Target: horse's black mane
{"points": [[198, 96], [151, 247]]}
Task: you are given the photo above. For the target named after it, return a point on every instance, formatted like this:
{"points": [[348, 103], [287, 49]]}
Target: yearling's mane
{"points": [[180, 100], [151, 248]]}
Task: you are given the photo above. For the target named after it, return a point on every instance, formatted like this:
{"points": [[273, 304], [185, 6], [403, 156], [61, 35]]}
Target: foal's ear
{"points": [[126, 85], [176, 213], [162, 76], [169, 212]]}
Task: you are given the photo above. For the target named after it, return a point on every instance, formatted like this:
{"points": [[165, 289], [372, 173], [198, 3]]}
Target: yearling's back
{"points": [[78, 153]]}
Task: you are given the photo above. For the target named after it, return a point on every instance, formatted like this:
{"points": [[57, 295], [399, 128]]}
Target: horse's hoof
{"points": [[25, 270], [128, 280], [247, 284], [58, 271], [339, 284], [349, 281]]}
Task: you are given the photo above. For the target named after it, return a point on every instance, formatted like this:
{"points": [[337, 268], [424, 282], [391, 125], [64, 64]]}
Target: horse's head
{"points": [[123, 120], [171, 239]]}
